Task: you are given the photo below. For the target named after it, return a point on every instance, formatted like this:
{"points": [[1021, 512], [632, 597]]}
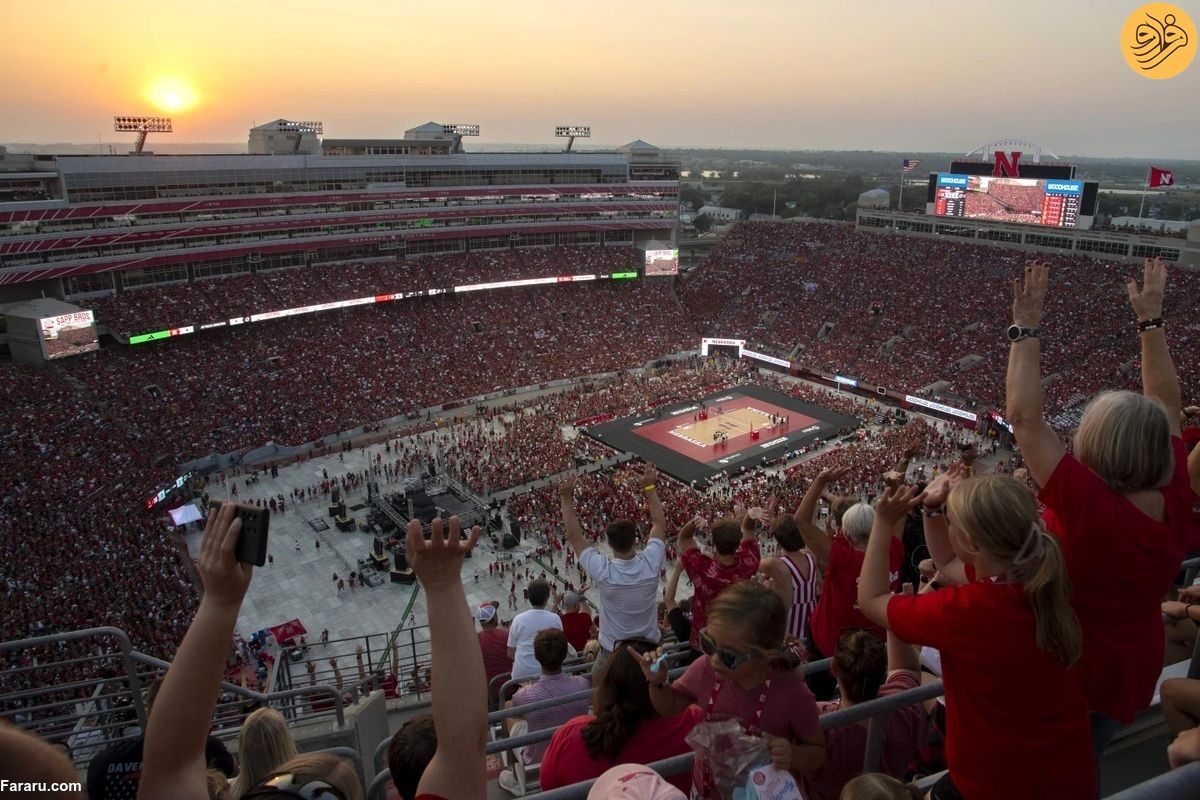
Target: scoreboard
{"points": [[951, 197], [1060, 206], [1051, 202]]}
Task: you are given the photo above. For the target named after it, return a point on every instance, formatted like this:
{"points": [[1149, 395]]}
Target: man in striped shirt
{"points": [[550, 650]]}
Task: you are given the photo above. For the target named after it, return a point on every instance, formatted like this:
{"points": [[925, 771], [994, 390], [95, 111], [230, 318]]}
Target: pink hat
{"points": [[633, 782]]}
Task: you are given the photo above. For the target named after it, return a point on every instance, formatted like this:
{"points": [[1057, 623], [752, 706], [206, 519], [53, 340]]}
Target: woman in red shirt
{"points": [[1122, 503], [625, 728], [841, 558], [1017, 721]]}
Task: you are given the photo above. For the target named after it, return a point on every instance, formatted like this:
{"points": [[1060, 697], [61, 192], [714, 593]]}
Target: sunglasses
{"points": [[284, 786], [730, 659]]}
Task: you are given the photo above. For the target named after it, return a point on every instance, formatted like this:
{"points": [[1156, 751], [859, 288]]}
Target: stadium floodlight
{"points": [[288, 126], [459, 130], [142, 126], [571, 132]]}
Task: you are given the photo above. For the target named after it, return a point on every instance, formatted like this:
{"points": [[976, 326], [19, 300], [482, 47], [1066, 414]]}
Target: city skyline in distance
{"points": [[924, 77]]}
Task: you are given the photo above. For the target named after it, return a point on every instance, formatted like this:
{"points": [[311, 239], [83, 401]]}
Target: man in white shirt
{"points": [[524, 629], [627, 582]]}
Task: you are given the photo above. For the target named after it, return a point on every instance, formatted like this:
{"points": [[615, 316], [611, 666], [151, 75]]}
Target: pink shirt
{"points": [[790, 710]]}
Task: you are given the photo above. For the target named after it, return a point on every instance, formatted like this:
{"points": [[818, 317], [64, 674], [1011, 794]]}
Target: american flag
{"points": [[909, 165]]}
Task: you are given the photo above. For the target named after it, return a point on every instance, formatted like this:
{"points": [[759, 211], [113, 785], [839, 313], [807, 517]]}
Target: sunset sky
{"points": [[792, 74]]}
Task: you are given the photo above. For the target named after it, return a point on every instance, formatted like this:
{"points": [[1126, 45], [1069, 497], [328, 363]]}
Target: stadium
{"points": [[357, 336]]}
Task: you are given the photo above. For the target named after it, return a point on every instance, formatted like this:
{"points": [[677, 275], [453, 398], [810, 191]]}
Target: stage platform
{"points": [[684, 439]]}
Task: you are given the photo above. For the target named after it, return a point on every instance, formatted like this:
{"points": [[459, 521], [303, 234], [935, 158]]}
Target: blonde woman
{"points": [[264, 744], [1120, 504], [1017, 720]]}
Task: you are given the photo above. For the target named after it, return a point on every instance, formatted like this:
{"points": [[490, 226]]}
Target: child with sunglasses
{"points": [[749, 673]]}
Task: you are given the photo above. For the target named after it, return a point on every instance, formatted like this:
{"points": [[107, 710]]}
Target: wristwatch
{"points": [[1018, 332]]}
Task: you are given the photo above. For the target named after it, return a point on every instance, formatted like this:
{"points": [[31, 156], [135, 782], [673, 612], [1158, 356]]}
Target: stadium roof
{"points": [[40, 308], [637, 146], [269, 126]]}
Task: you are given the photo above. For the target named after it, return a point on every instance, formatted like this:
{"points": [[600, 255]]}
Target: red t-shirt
{"points": [[577, 625], [567, 761], [1016, 720], [837, 609], [1121, 564], [493, 643], [846, 746], [790, 710], [710, 577]]}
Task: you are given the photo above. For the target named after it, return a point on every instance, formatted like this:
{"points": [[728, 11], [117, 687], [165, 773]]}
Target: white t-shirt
{"points": [[525, 627], [628, 592]]}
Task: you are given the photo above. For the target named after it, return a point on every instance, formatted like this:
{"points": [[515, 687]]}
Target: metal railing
{"points": [[1178, 784], [89, 714]]}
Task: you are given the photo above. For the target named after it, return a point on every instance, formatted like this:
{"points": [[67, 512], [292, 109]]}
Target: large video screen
{"points": [[662, 262], [1030, 201], [69, 334]]}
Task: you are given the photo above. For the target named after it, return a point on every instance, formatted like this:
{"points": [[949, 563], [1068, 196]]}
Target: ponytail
{"points": [[1043, 573], [999, 514]]}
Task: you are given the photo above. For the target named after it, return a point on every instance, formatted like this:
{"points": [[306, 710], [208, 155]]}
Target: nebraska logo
{"points": [[1007, 165]]}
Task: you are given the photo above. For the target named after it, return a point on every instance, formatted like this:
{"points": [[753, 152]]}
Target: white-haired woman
{"points": [[840, 557], [1119, 505]]}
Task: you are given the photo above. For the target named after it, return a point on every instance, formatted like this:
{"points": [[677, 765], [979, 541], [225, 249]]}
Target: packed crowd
{"points": [[145, 310], [1040, 613], [120, 420], [859, 303]]}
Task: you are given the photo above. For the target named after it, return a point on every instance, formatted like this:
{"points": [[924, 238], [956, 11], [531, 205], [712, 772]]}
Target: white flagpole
{"points": [[1145, 189], [900, 202]]}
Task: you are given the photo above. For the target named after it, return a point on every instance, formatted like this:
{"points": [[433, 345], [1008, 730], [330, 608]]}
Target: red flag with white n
{"points": [[1161, 177]]}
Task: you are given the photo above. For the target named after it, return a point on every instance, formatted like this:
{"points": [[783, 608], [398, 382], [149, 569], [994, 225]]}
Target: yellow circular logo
{"points": [[1158, 41]]}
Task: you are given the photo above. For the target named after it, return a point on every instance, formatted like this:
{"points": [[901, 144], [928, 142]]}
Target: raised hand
{"points": [[646, 662], [739, 512], [1029, 294], [1148, 302], [566, 487], [831, 474], [893, 478], [438, 561], [649, 475], [937, 492], [225, 579], [896, 503]]}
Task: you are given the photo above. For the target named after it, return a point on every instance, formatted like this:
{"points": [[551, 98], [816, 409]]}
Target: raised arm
{"points": [[566, 497], [687, 537], [1158, 371], [874, 584], [900, 654], [815, 539], [459, 680], [1194, 468], [174, 764], [937, 531], [658, 518], [673, 585], [1024, 402]]}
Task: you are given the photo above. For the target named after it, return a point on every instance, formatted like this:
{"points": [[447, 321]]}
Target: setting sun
{"points": [[171, 94]]}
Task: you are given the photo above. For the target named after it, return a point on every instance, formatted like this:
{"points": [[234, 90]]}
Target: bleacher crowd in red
{"points": [[90, 439]]}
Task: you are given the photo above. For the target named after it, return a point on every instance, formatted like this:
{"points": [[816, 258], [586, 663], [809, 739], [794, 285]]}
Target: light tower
{"points": [[570, 132], [288, 126], [142, 126], [459, 130]]}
